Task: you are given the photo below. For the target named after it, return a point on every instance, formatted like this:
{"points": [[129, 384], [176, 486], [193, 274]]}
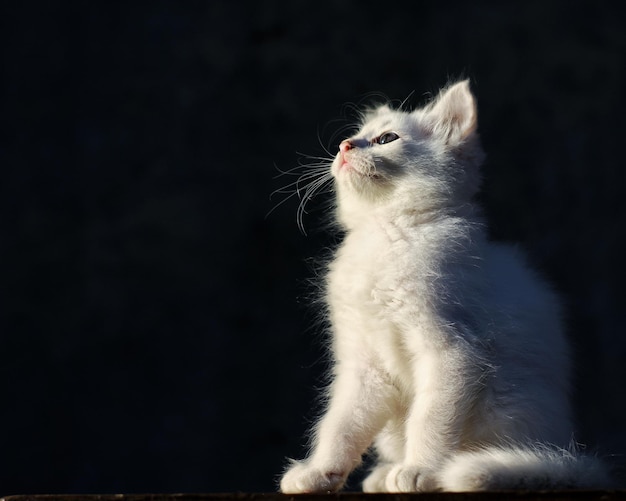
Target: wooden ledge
{"points": [[573, 495]]}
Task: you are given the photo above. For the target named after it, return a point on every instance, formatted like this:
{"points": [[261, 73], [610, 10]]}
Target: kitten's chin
{"points": [[341, 167], [345, 169]]}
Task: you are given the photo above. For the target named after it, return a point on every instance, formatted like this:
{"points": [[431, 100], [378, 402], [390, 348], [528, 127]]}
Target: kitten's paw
{"points": [[410, 478], [375, 481], [304, 478]]}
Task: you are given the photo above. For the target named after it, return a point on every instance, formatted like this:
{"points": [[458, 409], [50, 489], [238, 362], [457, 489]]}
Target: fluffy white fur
{"points": [[449, 356]]}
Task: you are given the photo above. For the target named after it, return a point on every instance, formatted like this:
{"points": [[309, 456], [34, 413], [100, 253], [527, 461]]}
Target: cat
{"points": [[449, 358]]}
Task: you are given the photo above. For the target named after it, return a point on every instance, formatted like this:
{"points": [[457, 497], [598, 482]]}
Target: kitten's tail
{"points": [[524, 467]]}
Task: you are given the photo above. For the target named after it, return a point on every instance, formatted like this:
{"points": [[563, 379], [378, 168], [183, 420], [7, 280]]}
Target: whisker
{"points": [[347, 130], [313, 170], [327, 160], [313, 188], [292, 189], [345, 124], [281, 202], [313, 176], [406, 99], [296, 171], [319, 140]]}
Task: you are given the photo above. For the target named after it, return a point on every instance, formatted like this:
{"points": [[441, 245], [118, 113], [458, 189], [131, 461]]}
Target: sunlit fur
{"points": [[450, 362]]}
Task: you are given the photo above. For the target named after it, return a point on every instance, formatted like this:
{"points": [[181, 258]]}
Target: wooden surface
{"points": [[347, 496]]}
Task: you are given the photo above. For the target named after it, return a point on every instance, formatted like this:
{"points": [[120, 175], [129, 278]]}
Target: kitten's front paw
{"points": [[376, 480], [303, 478], [410, 478]]}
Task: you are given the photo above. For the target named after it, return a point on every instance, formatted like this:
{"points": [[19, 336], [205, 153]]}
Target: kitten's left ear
{"points": [[452, 114]]}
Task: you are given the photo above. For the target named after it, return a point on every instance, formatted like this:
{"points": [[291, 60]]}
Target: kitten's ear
{"points": [[452, 114]]}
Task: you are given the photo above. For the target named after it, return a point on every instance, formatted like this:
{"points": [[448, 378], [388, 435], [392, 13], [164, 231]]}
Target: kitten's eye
{"points": [[387, 137]]}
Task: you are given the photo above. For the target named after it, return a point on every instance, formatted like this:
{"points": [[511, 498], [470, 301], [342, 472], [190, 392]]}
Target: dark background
{"points": [[154, 327]]}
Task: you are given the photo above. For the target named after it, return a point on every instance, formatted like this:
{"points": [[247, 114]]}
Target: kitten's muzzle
{"points": [[348, 144], [345, 146]]}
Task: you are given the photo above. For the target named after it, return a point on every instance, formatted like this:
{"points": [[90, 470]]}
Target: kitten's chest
{"points": [[370, 283], [373, 271]]}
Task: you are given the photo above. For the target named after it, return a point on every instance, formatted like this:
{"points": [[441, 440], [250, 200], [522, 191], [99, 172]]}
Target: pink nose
{"points": [[345, 146]]}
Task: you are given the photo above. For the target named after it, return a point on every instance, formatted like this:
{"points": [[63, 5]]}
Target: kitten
{"points": [[449, 354]]}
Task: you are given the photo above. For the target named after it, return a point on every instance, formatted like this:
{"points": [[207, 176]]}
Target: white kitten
{"points": [[449, 355]]}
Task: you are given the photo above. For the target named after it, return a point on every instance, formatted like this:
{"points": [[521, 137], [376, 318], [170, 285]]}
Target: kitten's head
{"points": [[420, 161]]}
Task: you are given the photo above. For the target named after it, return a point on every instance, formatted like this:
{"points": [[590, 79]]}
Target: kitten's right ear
{"points": [[452, 115]]}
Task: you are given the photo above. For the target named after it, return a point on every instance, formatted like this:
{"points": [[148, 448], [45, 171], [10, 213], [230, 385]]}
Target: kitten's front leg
{"points": [[358, 408], [447, 383]]}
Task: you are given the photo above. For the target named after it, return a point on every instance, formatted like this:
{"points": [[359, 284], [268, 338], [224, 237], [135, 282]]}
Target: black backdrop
{"points": [[154, 332]]}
